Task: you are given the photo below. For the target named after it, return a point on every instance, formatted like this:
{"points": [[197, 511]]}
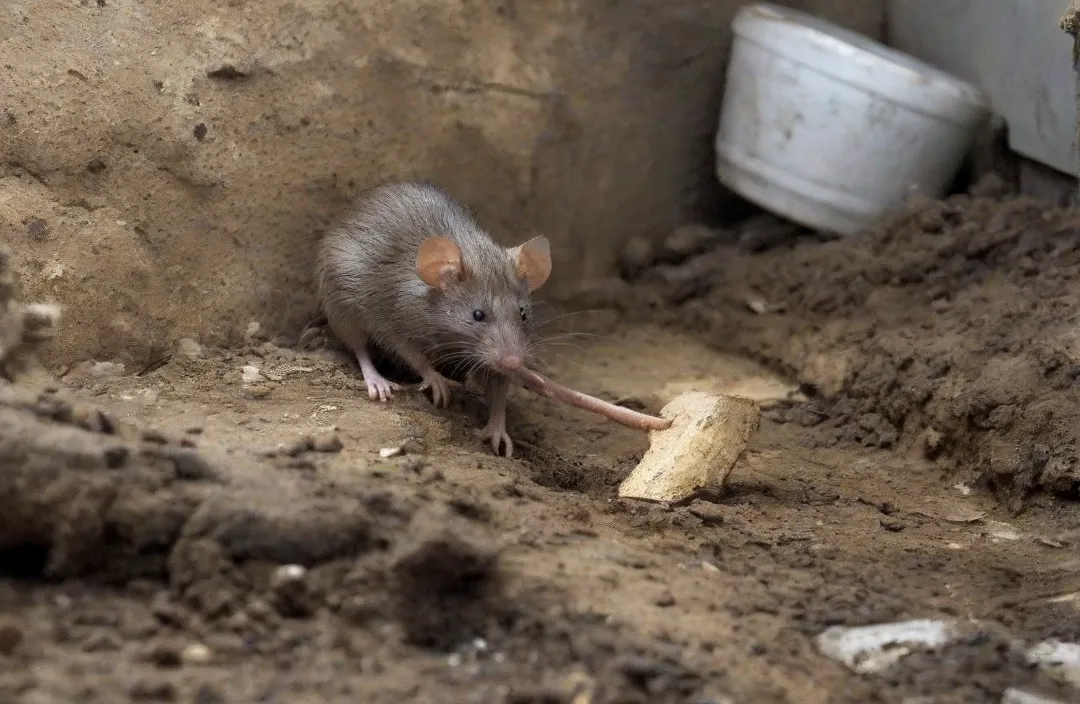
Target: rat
{"points": [[412, 272]]}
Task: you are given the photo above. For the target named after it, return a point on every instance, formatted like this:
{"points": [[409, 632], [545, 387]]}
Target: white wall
{"points": [[1012, 49]]}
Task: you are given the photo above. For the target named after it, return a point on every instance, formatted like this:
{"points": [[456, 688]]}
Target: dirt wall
{"points": [[167, 167]]}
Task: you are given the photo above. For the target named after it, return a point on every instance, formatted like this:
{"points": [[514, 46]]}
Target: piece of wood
{"points": [[707, 436]]}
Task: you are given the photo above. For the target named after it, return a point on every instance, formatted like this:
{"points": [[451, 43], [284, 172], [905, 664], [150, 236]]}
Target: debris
{"points": [[388, 452], [196, 654], [868, 649], [707, 436], [1058, 659], [757, 304], [104, 369], [999, 531], [188, 348], [329, 444], [950, 513], [687, 240], [291, 596], [1016, 696], [250, 374], [252, 330], [11, 634], [892, 525], [637, 255]]}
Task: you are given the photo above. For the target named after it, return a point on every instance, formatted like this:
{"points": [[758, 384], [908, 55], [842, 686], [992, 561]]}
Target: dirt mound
{"points": [[951, 329]]}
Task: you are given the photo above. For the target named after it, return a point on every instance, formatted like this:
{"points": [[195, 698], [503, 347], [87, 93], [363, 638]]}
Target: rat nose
{"points": [[510, 362]]}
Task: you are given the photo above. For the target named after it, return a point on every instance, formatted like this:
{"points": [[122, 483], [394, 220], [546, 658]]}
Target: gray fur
{"points": [[370, 291]]}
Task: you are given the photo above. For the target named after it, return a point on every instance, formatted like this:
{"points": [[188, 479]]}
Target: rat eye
{"points": [[478, 316], [524, 313]]}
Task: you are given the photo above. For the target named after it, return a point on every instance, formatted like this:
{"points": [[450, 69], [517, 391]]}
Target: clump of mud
{"points": [[951, 329], [23, 327]]}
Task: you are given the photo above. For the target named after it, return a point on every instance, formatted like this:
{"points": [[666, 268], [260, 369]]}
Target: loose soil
{"points": [[147, 517]]}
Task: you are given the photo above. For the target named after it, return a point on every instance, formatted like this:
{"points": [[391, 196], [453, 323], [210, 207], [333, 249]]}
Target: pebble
{"points": [[105, 369], [189, 348], [388, 452], [250, 374], [291, 597], [152, 691], [638, 255], [687, 240], [328, 443], [11, 635], [286, 575], [892, 525], [196, 654], [165, 655], [208, 694], [102, 641]]}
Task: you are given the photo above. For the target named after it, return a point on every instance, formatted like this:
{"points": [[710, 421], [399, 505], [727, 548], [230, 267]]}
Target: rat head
{"points": [[486, 305]]}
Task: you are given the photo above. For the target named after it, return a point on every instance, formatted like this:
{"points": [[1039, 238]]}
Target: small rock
{"points": [[101, 370], [638, 255], [763, 232], [305, 444], [253, 329], [258, 391], [290, 591], [250, 374], [102, 642], [687, 240], [227, 644], [328, 443], [11, 635], [414, 464], [196, 654], [207, 694], [892, 525], [152, 691], [989, 186], [189, 348], [155, 436], [190, 465], [388, 452], [165, 655], [413, 446], [707, 512], [168, 612], [665, 600]]}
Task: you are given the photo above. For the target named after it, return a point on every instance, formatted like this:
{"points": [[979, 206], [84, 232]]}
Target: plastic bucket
{"points": [[833, 130]]}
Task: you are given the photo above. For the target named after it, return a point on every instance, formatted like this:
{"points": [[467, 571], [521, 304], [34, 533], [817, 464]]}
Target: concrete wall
{"points": [[1012, 49], [167, 167]]}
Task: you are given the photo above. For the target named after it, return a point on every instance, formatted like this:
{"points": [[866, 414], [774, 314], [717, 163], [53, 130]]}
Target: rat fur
{"points": [[413, 273]]}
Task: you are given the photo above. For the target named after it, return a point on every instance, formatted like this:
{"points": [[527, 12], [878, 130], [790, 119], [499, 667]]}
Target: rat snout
{"points": [[510, 362]]}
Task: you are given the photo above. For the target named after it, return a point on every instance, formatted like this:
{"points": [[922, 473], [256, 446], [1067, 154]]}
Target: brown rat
{"points": [[412, 272]]}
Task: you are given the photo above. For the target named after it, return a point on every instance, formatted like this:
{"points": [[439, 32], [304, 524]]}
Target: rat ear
{"points": [[533, 261], [438, 262]]}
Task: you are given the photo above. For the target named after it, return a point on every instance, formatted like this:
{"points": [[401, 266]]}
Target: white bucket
{"points": [[832, 129]]}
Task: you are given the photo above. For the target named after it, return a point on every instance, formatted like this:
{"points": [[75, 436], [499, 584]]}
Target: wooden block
{"points": [[707, 435]]}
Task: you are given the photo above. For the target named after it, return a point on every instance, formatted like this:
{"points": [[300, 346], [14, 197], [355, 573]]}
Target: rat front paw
{"points": [[440, 388], [495, 432]]}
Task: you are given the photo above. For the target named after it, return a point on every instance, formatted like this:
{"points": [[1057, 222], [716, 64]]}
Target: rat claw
{"points": [[440, 388], [381, 389], [497, 435]]}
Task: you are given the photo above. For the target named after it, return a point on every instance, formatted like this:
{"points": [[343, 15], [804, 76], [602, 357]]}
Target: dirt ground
{"points": [[148, 517]]}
